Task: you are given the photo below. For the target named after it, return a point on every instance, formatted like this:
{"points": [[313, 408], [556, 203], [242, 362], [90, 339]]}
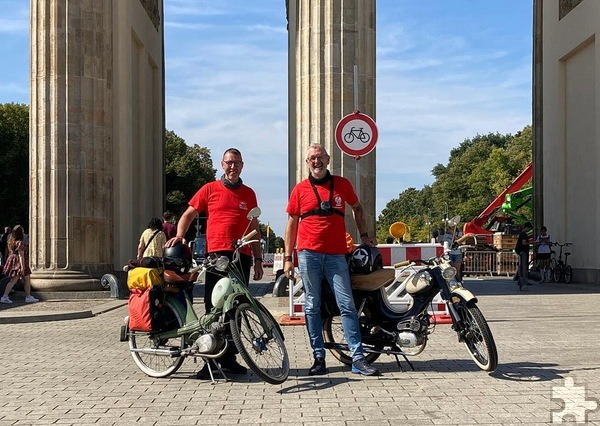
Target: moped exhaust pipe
{"points": [[172, 352]]}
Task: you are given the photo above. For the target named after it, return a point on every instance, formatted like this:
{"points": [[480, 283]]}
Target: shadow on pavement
{"points": [[503, 286], [528, 372]]}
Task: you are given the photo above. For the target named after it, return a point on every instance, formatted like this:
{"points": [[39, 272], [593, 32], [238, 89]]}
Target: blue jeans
{"points": [[313, 268]]}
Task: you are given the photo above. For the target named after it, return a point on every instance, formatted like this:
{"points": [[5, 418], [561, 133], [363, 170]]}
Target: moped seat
{"points": [[373, 281], [175, 278]]}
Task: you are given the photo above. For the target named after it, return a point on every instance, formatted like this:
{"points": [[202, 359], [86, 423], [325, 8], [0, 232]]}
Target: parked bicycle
{"points": [[562, 271]]}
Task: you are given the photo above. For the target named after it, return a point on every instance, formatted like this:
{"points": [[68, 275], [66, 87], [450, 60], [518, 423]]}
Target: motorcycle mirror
{"points": [[253, 213], [453, 221]]}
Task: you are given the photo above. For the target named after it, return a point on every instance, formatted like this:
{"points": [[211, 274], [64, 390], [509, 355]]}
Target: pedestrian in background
{"points": [[4, 245], [152, 240], [168, 227], [17, 266], [543, 245], [522, 249]]}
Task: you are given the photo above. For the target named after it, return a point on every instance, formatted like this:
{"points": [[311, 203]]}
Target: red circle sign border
{"points": [[356, 116]]}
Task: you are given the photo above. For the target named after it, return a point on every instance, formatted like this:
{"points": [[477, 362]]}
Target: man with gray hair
{"points": [[316, 230]]}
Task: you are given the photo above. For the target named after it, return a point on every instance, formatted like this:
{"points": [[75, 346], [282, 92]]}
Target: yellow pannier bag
{"points": [[143, 278]]}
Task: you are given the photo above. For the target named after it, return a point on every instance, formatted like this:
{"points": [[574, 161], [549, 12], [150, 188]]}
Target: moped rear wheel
{"points": [[151, 361], [333, 332], [477, 337], [267, 357]]}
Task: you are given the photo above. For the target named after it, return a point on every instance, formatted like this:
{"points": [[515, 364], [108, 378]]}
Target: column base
{"points": [[62, 280]]}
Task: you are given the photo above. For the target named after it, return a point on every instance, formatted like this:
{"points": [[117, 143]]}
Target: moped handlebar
{"points": [[245, 238]]}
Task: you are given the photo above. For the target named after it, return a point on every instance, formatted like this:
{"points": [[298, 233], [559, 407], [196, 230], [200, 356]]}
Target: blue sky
{"points": [[446, 71]]}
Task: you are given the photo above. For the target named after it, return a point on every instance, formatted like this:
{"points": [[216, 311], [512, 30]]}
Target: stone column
{"points": [[76, 162], [327, 38]]}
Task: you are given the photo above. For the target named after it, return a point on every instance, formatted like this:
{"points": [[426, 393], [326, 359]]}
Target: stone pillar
{"points": [[77, 169], [538, 116], [327, 38]]}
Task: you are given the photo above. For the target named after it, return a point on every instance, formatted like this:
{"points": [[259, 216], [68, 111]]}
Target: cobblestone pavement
{"points": [[77, 372]]}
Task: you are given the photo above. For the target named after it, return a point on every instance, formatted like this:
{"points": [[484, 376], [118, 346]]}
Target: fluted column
{"points": [[96, 129], [327, 38]]}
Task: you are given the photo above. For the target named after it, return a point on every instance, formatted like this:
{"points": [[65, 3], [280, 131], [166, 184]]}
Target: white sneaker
{"points": [[5, 299], [31, 299]]}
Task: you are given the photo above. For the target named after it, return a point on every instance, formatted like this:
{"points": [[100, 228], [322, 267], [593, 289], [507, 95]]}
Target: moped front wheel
{"points": [[333, 333], [266, 356], [151, 353], [477, 337]]}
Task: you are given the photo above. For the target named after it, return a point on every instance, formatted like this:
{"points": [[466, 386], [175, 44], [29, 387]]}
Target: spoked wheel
{"points": [[267, 357], [557, 274], [333, 332], [568, 274], [154, 359], [477, 337]]}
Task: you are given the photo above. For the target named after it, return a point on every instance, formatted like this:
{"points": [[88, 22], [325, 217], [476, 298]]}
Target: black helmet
{"points": [[178, 258], [365, 259]]}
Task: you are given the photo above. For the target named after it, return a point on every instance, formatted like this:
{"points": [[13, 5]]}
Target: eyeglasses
{"points": [[317, 158], [235, 163]]}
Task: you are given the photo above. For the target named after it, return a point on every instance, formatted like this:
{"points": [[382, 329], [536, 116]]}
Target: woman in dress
{"points": [[17, 265]]}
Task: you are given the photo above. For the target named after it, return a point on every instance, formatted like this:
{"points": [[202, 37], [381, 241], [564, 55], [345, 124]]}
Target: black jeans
{"points": [[523, 267]]}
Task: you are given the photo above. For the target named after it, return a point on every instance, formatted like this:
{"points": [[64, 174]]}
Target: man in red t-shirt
{"points": [[226, 202], [317, 231]]}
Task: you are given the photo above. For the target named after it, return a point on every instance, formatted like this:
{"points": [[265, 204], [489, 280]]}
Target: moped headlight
{"points": [[449, 273], [222, 263]]}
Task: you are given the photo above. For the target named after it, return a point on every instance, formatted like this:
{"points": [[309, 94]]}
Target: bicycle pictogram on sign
{"points": [[356, 134]]}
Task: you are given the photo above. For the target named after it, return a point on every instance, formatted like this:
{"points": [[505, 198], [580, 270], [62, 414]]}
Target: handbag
{"points": [[146, 309]]}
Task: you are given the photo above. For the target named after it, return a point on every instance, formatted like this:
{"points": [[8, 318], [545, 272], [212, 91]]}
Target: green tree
{"points": [[270, 238], [478, 170], [412, 207], [14, 157], [187, 168]]}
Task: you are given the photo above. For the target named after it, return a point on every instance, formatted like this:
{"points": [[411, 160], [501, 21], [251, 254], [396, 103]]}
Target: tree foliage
{"points": [[14, 157], [478, 170], [274, 242], [187, 168]]}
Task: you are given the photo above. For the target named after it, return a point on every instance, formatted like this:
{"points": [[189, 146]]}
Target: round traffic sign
{"points": [[356, 134]]}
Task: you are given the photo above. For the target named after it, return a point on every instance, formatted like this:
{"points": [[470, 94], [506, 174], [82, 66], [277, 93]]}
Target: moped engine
{"points": [[412, 333], [407, 339], [211, 342]]}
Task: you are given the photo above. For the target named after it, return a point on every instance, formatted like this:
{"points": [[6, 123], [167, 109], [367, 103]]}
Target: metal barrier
{"points": [[507, 263], [479, 262]]}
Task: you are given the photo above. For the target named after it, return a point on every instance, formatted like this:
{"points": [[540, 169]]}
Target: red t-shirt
{"points": [[226, 214], [323, 234]]}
